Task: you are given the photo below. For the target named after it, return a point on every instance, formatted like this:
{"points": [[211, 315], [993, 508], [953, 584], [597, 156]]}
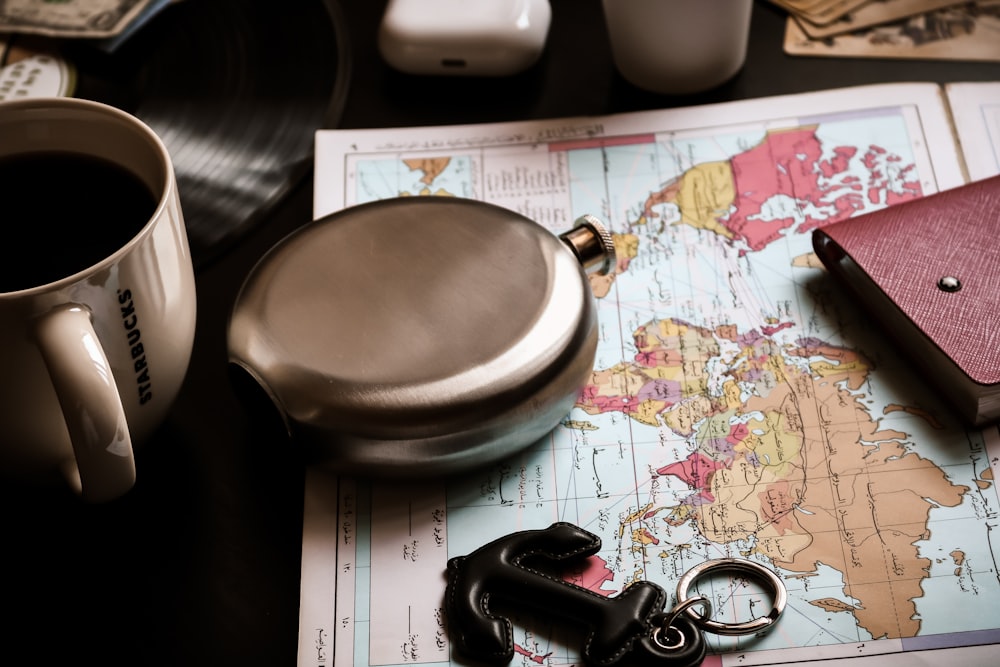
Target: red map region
{"points": [[591, 396], [694, 470], [533, 657], [789, 163], [770, 330], [592, 576]]}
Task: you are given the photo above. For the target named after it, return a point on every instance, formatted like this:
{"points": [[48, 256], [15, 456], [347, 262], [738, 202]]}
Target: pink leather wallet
{"points": [[929, 271]]}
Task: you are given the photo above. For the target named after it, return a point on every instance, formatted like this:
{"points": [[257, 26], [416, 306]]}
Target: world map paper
{"points": [[740, 405]]}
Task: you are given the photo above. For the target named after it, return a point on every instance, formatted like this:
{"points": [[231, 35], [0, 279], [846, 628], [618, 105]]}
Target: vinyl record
{"points": [[236, 89]]}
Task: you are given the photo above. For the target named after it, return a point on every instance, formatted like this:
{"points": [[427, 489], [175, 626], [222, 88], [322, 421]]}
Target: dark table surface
{"points": [[199, 563]]}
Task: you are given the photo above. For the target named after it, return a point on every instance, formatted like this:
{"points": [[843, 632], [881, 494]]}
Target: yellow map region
{"points": [[703, 195]]}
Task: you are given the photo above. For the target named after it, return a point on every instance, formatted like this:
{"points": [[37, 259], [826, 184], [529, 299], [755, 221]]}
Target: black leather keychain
{"points": [[631, 628]]}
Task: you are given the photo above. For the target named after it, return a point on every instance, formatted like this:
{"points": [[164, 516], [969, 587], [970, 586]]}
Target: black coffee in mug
{"points": [[63, 212]]}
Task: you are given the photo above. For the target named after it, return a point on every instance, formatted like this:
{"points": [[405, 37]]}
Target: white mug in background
{"points": [[678, 47], [97, 292]]}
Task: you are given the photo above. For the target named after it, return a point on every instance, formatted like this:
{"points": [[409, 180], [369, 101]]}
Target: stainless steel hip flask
{"points": [[423, 335]]}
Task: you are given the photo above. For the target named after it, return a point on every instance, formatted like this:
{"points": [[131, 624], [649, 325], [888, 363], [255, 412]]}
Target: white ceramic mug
{"points": [[678, 47], [92, 356]]}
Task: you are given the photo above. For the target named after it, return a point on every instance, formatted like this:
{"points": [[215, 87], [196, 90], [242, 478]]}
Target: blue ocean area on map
{"points": [[740, 405]]}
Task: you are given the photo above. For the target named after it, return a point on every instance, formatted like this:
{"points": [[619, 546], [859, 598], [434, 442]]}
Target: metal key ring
{"points": [[667, 623], [757, 625]]}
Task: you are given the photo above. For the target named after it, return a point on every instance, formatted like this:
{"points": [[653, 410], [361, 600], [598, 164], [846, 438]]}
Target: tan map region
{"points": [[431, 168], [818, 482], [626, 249], [985, 480], [832, 605], [798, 466]]}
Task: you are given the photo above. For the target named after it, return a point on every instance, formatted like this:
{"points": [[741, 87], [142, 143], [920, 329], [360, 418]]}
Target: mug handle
{"points": [[91, 405]]}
